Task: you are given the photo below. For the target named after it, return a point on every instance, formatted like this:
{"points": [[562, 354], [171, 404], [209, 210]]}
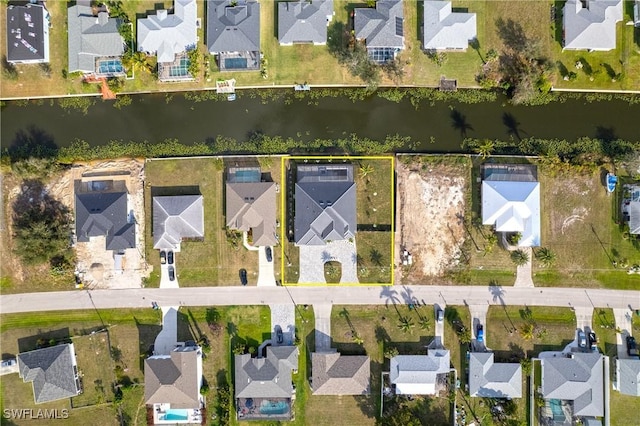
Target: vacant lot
{"points": [[432, 203]]}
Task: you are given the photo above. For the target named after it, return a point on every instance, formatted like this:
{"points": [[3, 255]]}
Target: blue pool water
{"points": [[247, 176], [235, 63], [269, 407], [175, 414], [556, 409]]}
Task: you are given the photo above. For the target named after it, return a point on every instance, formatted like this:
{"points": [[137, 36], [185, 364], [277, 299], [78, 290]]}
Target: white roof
{"points": [[513, 207], [444, 29], [167, 34], [592, 27], [417, 374]]}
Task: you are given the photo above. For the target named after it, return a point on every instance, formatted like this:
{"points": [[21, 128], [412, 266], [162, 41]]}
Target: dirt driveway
{"points": [[429, 224]]}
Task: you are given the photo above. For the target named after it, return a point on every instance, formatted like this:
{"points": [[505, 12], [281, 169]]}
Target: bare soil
{"points": [[431, 207]]}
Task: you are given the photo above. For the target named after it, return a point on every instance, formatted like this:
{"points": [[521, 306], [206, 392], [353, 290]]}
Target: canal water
{"points": [[437, 128]]}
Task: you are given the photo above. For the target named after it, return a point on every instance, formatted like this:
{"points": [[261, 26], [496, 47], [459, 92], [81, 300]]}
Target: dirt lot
{"points": [[94, 262], [431, 204]]}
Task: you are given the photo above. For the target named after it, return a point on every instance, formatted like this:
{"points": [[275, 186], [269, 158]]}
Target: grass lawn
{"points": [[621, 407], [96, 368], [604, 325], [555, 328], [213, 261], [378, 327]]}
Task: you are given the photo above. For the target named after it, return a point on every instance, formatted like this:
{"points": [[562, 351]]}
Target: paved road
{"points": [[348, 295]]}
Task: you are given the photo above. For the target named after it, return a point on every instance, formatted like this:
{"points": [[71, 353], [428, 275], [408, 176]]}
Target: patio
{"points": [[178, 70], [239, 61]]}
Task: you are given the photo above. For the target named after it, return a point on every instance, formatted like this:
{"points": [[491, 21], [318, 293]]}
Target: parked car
{"points": [[440, 315], [172, 273], [632, 347], [8, 362], [269, 254], [480, 333], [582, 339], [279, 335], [163, 257], [243, 276], [170, 257], [593, 340]]}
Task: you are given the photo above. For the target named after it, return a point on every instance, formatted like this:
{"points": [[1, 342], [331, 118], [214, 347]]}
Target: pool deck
{"points": [[253, 411], [253, 61]]}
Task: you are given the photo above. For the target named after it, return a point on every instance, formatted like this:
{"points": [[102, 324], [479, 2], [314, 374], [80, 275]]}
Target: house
{"points": [[381, 29], [251, 205], [95, 44], [53, 371], [591, 24], [27, 34], [233, 34], [263, 385], [490, 380], [336, 374], [304, 22], [511, 201], [325, 204], [445, 29], [631, 208], [102, 209], [177, 217], [169, 36], [420, 374], [578, 379], [628, 376], [172, 386]]}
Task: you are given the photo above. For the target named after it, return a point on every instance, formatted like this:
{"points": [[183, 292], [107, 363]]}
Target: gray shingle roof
{"points": [[252, 205], [105, 213], [444, 29], [174, 379], [628, 376], [417, 374], [233, 29], [266, 377], [378, 26], [27, 34], [578, 379], [304, 21], [177, 217], [490, 380], [592, 28], [335, 374], [325, 204], [167, 34], [91, 37], [52, 372]]}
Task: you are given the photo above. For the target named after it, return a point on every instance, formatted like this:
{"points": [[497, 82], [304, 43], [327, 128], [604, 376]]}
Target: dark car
{"points": [[593, 340], [267, 251], [170, 257], [163, 257], [243, 276], [632, 347], [172, 273], [279, 335]]}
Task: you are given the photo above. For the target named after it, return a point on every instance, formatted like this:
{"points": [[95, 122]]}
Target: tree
{"points": [[464, 335], [519, 257], [391, 352], [527, 330], [137, 61], [545, 256], [355, 337], [526, 366], [424, 323], [366, 170], [485, 149], [406, 324]]}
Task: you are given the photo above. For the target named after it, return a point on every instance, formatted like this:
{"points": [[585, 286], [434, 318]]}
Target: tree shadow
{"points": [[512, 125], [147, 334], [185, 329], [562, 69], [47, 338], [586, 66], [32, 142], [611, 73], [390, 295], [474, 43], [459, 123], [606, 134], [511, 34]]}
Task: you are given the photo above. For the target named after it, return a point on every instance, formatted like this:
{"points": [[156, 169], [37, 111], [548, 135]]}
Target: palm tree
{"points": [[486, 148], [137, 61], [527, 330], [355, 337], [391, 352], [406, 324], [464, 335], [365, 170], [424, 323], [545, 256], [519, 257]]}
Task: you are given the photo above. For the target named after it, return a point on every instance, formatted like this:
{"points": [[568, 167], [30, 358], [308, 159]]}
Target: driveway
{"points": [[9, 369], [623, 322], [584, 318], [313, 258], [167, 339], [322, 313], [439, 332], [266, 276], [165, 282], [478, 317], [283, 316]]}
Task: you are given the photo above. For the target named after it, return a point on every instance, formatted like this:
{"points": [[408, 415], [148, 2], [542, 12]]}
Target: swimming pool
{"points": [[246, 176], [270, 407], [556, 410], [175, 414], [110, 67], [235, 63]]}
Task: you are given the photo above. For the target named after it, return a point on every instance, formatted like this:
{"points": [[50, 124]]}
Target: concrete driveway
{"points": [[623, 322], [322, 313], [283, 316], [10, 369], [313, 258], [439, 332], [266, 276], [167, 339], [584, 318], [478, 316]]}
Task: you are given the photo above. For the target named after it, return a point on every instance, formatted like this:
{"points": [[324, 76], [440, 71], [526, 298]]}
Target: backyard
{"points": [[218, 259]]}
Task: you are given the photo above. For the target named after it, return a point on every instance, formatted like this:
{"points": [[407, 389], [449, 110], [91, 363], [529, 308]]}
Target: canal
{"points": [[435, 128]]}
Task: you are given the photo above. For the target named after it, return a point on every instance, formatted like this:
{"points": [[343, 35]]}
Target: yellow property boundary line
{"points": [[283, 215]]}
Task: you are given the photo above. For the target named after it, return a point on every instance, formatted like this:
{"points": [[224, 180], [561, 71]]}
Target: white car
{"points": [[8, 362]]}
